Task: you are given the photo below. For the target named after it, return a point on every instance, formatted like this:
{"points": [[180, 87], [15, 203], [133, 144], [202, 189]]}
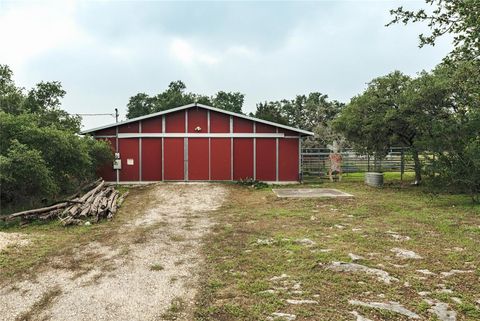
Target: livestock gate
{"points": [[315, 162]]}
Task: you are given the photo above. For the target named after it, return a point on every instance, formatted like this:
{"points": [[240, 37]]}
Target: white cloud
{"points": [[31, 29], [188, 54]]}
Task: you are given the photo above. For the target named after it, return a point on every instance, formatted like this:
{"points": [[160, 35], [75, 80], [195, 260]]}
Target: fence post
{"points": [[402, 164], [368, 163]]}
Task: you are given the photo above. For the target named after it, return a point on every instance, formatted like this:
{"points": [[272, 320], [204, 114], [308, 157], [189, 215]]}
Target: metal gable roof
{"points": [[168, 111]]}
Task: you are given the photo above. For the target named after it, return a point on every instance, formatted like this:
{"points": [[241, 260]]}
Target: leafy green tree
{"points": [[231, 101], [24, 175], [41, 154], [139, 105], [11, 97], [455, 133], [460, 18], [175, 96], [271, 111], [390, 112]]}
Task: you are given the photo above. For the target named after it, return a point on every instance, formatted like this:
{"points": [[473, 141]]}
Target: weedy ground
{"points": [[259, 237], [264, 250]]}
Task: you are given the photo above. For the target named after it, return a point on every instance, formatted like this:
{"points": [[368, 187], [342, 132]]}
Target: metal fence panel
{"points": [[315, 161]]}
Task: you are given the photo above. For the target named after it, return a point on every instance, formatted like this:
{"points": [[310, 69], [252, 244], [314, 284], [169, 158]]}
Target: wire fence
{"points": [[316, 162]]}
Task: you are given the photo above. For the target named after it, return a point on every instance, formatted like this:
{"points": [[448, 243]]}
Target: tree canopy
{"points": [[41, 154], [313, 112], [175, 95], [459, 18]]}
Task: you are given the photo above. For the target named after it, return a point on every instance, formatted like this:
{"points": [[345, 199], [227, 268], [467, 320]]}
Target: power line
{"points": [[100, 114]]}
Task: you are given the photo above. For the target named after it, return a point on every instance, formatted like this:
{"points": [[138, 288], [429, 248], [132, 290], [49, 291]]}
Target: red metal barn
{"points": [[201, 143]]}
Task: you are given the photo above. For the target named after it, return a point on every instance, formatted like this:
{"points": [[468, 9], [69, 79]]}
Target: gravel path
{"points": [[154, 265]]}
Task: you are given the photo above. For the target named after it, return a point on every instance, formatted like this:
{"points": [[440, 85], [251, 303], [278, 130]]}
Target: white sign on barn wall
{"points": [[129, 161]]}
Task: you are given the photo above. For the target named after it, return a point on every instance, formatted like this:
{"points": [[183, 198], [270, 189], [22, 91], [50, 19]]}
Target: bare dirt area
{"points": [[146, 270], [12, 239]]}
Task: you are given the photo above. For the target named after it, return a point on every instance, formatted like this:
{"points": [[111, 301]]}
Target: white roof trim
{"points": [[197, 105]]}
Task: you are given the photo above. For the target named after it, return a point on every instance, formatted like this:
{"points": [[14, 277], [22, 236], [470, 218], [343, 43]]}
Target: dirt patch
{"points": [[12, 239], [116, 281]]}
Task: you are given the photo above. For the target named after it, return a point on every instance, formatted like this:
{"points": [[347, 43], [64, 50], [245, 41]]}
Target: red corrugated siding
{"points": [[107, 172], [197, 118], [220, 159], [151, 159], [242, 158], [129, 149], [288, 159], [241, 125], [175, 122], [263, 128], [266, 159], [173, 159], [198, 159], [152, 125], [105, 132], [129, 128], [287, 132], [198, 150], [219, 123]]}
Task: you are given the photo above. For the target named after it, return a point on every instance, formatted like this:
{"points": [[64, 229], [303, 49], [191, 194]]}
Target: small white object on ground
{"points": [[456, 300], [405, 254], [359, 317], [355, 257], [270, 291], [280, 277], [305, 241], [426, 272], [354, 267], [296, 302], [398, 237], [282, 316], [441, 310], [264, 241], [391, 306], [453, 272], [424, 293]]}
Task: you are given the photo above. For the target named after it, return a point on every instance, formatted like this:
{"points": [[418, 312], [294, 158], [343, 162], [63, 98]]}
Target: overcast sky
{"points": [[105, 52]]}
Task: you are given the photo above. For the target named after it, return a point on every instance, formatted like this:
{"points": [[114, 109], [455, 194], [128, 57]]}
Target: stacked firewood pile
{"points": [[99, 202]]}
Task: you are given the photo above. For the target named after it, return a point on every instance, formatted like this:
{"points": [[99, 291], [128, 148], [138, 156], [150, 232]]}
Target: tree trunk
{"points": [[418, 167]]}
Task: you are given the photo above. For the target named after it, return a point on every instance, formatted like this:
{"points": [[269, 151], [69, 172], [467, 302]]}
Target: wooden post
{"points": [[402, 164]]}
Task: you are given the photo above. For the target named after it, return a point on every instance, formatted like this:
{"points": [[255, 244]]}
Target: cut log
{"points": [[100, 202], [72, 210], [35, 212]]}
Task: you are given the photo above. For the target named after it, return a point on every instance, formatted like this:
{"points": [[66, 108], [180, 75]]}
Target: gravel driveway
{"points": [[150, 273]]}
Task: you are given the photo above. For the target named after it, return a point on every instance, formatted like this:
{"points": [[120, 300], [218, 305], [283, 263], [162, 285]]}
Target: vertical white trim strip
{"points": [[231, 149], [140, 152], [276, 157], [254, 152], [185, 157], [300, 178], [117, 151], [163, 148], [185, 149], [209, 148]]}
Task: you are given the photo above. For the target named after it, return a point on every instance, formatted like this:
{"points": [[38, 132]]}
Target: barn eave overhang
{"points": [[300, 131]]}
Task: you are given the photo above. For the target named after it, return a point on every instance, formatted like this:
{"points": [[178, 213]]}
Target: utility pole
{"points": [[116, 115]]}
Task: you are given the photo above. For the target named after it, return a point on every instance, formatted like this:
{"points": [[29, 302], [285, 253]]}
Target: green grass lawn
{"points": [[256, 239]]}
